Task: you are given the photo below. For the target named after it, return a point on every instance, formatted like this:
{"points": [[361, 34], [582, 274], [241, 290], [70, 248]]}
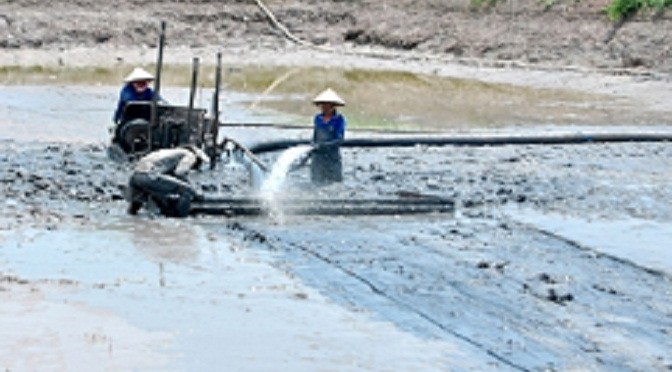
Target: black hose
{"points": [[564, 139], [239, 211], [328, 207]]}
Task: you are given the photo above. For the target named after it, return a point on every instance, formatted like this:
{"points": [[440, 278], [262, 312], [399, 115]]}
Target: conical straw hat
{"points": [[138, 74], [329, 96]]}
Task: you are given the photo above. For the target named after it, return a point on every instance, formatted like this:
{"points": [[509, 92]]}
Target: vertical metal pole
{"points": [[192, 97], [215, 109], [154, 117]]}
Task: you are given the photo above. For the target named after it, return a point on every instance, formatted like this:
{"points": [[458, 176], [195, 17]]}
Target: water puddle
{"points": [[190, 297], [643, 242], [376, 99]]}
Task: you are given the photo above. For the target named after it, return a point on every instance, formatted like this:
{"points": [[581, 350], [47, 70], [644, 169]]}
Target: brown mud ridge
{"points": [[557, 33]]}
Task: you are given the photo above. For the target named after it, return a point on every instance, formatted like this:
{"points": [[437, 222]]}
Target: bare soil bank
{"points": [[557, 33]]}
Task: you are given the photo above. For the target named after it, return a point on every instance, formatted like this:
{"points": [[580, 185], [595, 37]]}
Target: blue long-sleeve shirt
{"points": [[330, 131], [129, 94]]}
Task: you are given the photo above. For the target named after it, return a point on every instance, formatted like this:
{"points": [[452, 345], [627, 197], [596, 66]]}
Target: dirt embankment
{"points": [[552, 33]]}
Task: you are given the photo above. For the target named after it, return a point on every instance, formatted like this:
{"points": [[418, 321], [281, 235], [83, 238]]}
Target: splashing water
{"points": [[274, 182], [257, 176]]}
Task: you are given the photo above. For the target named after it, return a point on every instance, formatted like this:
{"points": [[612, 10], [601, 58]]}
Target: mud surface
{"points": [[494, 281], [555, 33], [556, 258]]}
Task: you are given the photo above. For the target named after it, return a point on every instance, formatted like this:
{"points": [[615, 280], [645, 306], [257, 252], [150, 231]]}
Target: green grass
{"points": [[484, 3], [621, 9]]}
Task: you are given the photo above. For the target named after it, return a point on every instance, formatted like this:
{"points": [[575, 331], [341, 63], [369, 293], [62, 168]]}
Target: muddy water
{"points": [[77, 113], [376, 99], [186, 299]]}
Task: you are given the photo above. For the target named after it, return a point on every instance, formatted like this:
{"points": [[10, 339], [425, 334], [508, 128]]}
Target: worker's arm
{"points": [[185, 165], [339, 135]]}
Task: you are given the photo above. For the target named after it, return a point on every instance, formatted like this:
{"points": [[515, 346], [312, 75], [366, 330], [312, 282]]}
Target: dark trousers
{"points": [[326, 166], [171, 194]]}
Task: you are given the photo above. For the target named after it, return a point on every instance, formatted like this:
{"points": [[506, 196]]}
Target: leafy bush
{"points": [[621, 9]]}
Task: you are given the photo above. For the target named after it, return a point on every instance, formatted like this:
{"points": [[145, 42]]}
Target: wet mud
{"points": [[46, 184], [555, 257], [519, 293], [491, 283]]}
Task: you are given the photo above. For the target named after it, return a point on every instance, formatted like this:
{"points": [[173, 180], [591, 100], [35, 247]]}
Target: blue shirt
{"points": [[332, 130], [129, 94]]}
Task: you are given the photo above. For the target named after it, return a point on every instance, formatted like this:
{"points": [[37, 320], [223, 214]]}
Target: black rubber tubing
{"points": [[418, 201], [563, 139], [333, 207], [380, 210]]}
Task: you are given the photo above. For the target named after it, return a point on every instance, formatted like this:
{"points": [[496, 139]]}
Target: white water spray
{"points": [[257, 176], [276, 179]]}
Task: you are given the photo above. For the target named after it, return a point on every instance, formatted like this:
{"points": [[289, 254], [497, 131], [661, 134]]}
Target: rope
{"points": [[288, 34], [477, 62]]}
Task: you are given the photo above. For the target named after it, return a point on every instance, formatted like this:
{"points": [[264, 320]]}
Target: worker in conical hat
{"points": [[136, 88], [139, 74], [328, 133]]}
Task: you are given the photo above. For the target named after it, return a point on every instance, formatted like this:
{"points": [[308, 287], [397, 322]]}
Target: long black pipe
{"points": [[331, 207], [563, 139], [420, 200]]}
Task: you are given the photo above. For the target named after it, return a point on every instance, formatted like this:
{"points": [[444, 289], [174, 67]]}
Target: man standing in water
{"points": [[162, 176], [328, 133], [136, 88]]}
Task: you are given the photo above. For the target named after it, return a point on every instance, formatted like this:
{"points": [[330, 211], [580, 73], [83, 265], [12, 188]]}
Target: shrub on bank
{"points": [[621, 9], [617, 10]]}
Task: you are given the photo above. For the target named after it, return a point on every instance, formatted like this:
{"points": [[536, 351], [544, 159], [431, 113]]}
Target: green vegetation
{"points": [[621, 9], [27, 75], [617, 10], [483, 3]]}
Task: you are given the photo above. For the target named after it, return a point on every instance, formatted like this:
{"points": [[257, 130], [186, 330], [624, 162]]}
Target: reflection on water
{"points": [[376, 99], [225, 307], [640, 241], [165, 240], [54, 113]]}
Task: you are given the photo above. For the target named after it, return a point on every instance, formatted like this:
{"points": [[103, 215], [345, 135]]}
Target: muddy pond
{"points": [[555, 258], [377, 100]]}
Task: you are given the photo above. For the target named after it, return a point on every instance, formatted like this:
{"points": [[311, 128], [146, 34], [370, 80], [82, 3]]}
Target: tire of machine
{"points": [[132, 135]]}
